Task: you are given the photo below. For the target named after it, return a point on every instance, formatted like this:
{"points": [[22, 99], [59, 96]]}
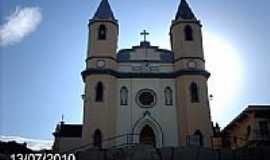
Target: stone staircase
{"points": [[138, 152]]}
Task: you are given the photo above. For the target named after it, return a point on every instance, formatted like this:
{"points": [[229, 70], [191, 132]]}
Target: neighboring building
{"points": [[67, 136], [216, 140], [143, 94], [4, 157], [12, 147], [249, 129]]}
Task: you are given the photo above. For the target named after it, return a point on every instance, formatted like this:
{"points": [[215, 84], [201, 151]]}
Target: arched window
{"points": [[99, 92], [124, 96], [194, 93], [199, 136], [168, 96], [102, 31], [188, 33], [98, 138]]}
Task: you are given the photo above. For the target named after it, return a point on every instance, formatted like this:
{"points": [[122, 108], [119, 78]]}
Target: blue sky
{"points": [[40, 73]]}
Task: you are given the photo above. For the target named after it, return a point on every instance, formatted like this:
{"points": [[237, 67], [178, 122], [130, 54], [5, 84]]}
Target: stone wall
{"points": [[180, 153]]}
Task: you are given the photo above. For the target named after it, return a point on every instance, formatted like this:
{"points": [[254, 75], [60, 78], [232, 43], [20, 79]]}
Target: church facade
{"points": [[143, 94]]}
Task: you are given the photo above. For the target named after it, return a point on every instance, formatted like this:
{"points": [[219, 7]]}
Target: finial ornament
{"points": [[144, 34]]}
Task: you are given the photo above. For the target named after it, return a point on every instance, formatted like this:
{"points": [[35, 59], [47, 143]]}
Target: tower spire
{"points": [[184, 11], [104, 11]]}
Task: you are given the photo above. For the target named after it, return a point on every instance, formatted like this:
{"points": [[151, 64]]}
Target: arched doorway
{"points": [[199, 135], [98, 138], [155, 127], [147, 136]]}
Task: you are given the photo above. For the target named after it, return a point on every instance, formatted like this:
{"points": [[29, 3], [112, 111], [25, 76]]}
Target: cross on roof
{"points": [[62, 118], [144, 34]]}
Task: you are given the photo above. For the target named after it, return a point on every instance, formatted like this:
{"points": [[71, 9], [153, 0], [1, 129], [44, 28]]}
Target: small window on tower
{"points": [[194, 93], [99, 92], [188, 33], [102, 32]]}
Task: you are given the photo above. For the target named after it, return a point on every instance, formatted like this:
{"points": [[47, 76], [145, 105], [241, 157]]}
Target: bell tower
{"points": [[194, 121], [186, 35], [103, 33], [100, 112]]}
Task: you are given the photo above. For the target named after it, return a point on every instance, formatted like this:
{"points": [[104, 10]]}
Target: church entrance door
{"points": [[147, 136]]}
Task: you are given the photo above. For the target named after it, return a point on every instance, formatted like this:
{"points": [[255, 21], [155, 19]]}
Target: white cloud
{"points": [[19, 24], [34, 144]]}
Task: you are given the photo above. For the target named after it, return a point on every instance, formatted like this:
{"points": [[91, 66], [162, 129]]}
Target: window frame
{"points": [[152, 92]]}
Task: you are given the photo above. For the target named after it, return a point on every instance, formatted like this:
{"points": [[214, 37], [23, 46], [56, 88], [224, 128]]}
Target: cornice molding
{"points": [[139, 61], [124, 75]]}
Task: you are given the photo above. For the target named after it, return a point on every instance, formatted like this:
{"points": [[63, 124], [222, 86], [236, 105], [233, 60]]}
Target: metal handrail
{"points": [[110, 139]]}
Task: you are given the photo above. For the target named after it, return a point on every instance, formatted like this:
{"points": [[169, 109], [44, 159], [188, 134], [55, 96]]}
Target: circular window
{"points": [[146, 98]]}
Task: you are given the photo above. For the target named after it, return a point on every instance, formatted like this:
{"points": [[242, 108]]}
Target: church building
{"points": [[143, 94]]}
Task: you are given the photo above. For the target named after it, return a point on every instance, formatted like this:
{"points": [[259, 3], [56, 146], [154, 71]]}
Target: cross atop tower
{"points": [[144, 34]]}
